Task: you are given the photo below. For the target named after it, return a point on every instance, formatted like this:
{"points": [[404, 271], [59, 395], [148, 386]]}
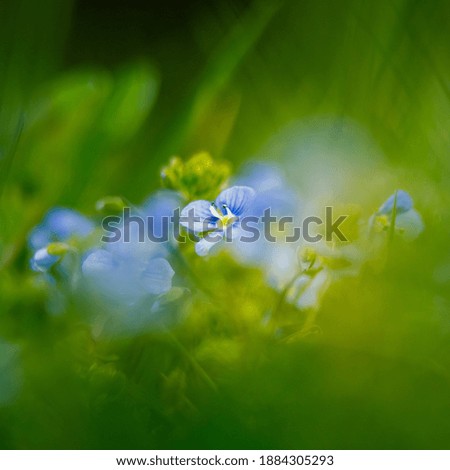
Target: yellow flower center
{"points": [[225, 216]]}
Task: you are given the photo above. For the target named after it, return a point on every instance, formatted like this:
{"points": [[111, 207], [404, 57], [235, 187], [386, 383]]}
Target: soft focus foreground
{"points": [[300, 106]]}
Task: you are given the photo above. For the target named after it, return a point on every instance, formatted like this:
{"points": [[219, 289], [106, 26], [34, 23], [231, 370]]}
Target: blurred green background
{"points": [[95, 96]]}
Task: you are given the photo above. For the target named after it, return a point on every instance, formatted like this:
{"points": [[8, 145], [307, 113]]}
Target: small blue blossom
{"points": [[271, 190], [409, 224], [42, 260], [408, 221], [129, 280], [404, 203], [278, 259], [59, 225], [220, 219], [149, 230], [125, 289], [160, 207], [262, 177], [124, 280]]}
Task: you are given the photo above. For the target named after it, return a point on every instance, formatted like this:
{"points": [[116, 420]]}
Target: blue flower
{"points": [[124, 280], [262, 177], [124, 289], [158, 209], [219, 219], [408, 221], [42, 260], [271, 190], [59, 225], [278, 259], [404, 203], [147, 231], [129, 281]]}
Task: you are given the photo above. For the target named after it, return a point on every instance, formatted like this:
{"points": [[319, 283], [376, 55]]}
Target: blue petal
{"points": [[162, 203], [42, 261], [205, 244], [281, 202], [110, 278], [262, 177], [66, 222], [135, 245], [237, 198], [59, 225], [98, 262], [410, 224], [39, 237], [158, 207], [404, 203], [197, 217], [157, 276]]}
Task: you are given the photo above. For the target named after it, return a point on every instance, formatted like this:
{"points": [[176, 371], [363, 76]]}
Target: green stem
{"points": [[200, 370], [283, 294], [176, 252], [393, 218]]}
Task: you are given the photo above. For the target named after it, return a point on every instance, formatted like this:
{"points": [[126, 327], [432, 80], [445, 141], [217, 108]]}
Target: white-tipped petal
{"points": [[42, 261], [203, 247], [197, 217]]}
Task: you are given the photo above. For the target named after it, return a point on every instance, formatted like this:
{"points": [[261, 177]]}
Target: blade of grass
{"points": [[217, 73], [393, 218]]}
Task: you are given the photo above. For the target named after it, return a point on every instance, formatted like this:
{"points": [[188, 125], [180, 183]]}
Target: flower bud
{"points": [[199, 178]]}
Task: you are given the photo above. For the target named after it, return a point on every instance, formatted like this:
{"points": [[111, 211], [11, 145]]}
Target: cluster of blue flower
{"points": [[130, 284], [114, 277]]}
